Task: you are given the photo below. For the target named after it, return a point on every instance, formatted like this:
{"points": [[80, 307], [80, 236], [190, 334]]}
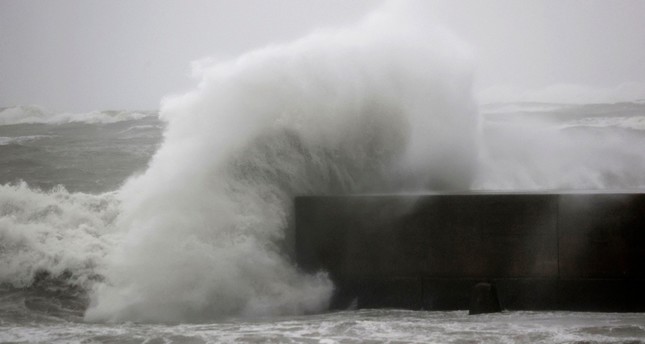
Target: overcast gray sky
{"points": [[81, 55]]}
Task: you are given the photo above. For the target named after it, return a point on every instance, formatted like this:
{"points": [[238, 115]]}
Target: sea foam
{"points": [[56, 232]]}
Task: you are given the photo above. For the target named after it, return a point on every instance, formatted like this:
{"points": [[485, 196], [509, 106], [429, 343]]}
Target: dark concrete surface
{"points": [[483, 299], [542, 251]]}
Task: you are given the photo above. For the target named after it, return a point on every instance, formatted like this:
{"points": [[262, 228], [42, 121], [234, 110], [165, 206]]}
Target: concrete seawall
{"points": [[542, 251]]}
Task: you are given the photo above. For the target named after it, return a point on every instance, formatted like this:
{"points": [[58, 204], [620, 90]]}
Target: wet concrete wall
{"points": [[542, 251]]}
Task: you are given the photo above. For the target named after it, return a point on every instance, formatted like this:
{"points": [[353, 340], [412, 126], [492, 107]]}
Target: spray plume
{"points": [[384, 105]]}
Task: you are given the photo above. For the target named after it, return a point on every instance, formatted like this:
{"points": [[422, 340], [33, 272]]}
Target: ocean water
{"points": [[363, 326], [59, 211], [177, 225], [91, 153]]}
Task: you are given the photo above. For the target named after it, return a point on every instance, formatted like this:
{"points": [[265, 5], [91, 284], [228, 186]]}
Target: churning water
{"points": [[114, 222]]}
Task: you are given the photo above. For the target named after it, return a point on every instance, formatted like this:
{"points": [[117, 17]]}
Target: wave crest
{"points": [[54, 232], [29, 114]]}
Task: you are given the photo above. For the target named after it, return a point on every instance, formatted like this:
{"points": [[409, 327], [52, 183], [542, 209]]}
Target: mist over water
{"points": [[204, 232], [566, 147]]}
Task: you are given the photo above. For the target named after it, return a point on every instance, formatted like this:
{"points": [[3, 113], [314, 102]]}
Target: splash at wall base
{"points": [[580, 252]]}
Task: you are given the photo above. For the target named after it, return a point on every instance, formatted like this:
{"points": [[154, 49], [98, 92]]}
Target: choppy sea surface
{"points": [[59, 173], [358, 326], [92, 152]]}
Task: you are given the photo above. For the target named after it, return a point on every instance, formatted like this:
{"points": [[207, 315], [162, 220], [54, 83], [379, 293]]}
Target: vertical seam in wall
{"points": [[421, 303], [557, 241]]}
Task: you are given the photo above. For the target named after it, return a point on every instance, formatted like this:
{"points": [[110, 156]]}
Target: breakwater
{"points": [[581, 252]]}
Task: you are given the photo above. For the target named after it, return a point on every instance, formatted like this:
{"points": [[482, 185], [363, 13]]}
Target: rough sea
{"points": [[177, 226], [58, 200]]}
